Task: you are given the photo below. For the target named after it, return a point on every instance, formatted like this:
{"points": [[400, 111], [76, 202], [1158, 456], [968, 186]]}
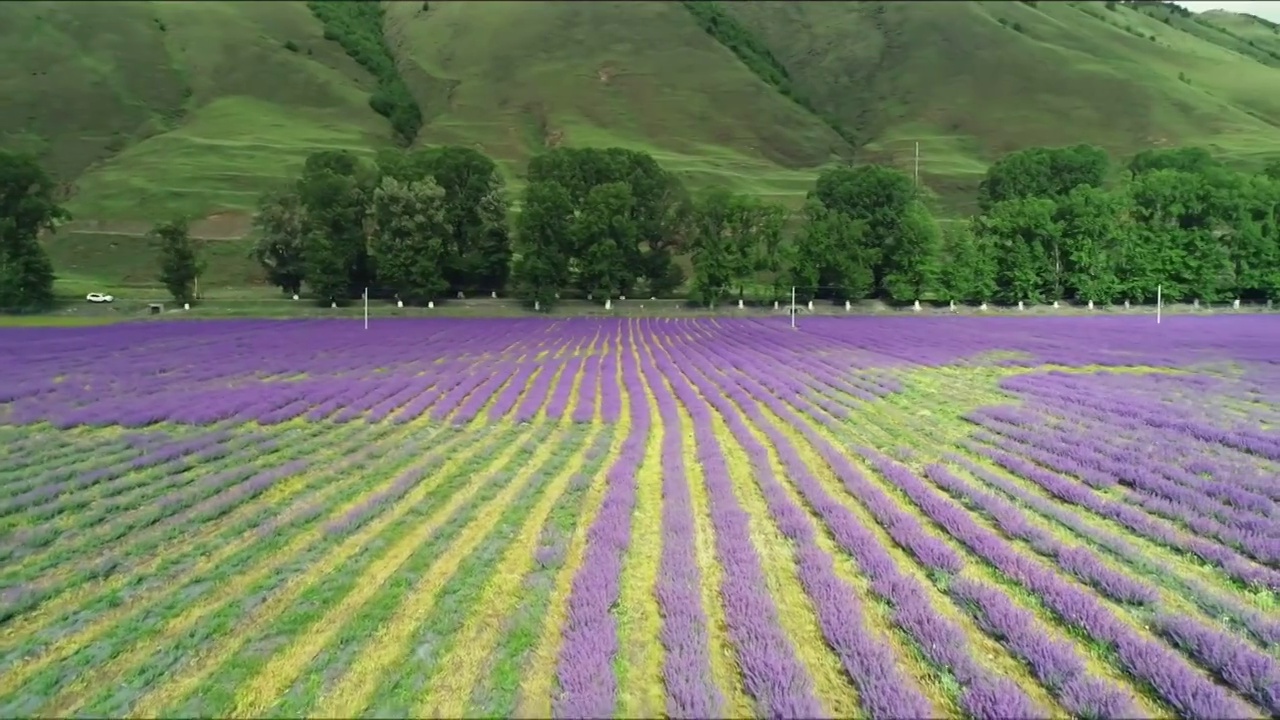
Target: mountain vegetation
{"points": [[142, 112]]}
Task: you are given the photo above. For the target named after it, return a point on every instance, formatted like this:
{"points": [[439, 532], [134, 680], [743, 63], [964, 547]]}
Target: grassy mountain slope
{"points": [[202, 103], [972, 80], [148, 109], [515, 78]]}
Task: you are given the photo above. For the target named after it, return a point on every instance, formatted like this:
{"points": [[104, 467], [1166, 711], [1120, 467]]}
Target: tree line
{"points": [[422, 225]]}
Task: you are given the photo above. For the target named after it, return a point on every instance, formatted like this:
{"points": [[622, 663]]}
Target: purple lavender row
{"points": [[1267, 630], [1227, 656], [772, 674], [511, 392], [30, 501], [1053, 661], [475, 402], [414, 388], [407, 480], [1254, 674], [559, 399], [150, 501], [244, 486], [60, 468], [1189, 508], [432, 399], [588, 390], [884, 691], [538, 391], [1231, 562], [588, 687], [1248, 441], [686, 664], [451, 400], [1249, 492], [610, 392], [984, 695], [1078, 561], [1246, 509], [1176, 682]]}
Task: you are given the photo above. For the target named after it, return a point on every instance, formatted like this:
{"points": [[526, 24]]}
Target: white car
{"points": [[98, 298]]}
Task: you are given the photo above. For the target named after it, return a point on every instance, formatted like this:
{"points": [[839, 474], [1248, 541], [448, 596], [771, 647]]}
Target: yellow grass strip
{"points": [[393, 639], [201, 667], [539, 680], [724, 664], [450, 692], [64, 647], [639, 618]]}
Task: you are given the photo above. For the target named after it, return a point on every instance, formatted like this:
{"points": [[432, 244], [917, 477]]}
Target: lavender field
{"points": [[883, 517]]}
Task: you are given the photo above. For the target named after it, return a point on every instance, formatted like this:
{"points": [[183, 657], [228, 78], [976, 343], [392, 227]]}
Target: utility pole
{"points": [[366, 308], [1159, 303], [917, 162], [793, 307]]}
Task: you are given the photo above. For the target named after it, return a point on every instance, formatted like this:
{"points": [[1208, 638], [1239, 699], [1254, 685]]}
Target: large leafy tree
{"points": [[1020, 231], [334, 190], [282, 226], [542, 242], [1176, 228], [911, 262], [879, 198], [712, 248], [830, 258], [180, 262], [969, 266], [660, 209], [409, 238], [28, 206], [1093, 227], [1042, 173], [603, 232], [475, 207]]}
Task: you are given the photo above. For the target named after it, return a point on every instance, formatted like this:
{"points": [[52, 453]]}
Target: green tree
{"points": [[1020, 231], [475, 206], [282, 224], [660, 207], [1250, 208], [876, 196], [1042, 173], [969, 267], [1196, 160], [830, 258], [408, 242], [911, 263], [603, 232], [1272, 170], [712, 248], [28, 205], [542, 243], [180, 263], [1175, 224], [334, 191], [1093, 225]]}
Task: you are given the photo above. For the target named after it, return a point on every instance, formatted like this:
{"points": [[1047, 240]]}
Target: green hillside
{"points": [[148, 109]]}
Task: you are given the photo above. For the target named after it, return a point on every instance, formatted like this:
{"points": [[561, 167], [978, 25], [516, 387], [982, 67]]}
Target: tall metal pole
{"points": [[1159, 303], [366, 308], [793, 307], [917, 162]]}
